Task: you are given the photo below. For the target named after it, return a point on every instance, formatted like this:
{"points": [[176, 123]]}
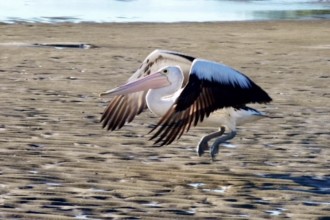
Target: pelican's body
{"points": [[182, 98]]}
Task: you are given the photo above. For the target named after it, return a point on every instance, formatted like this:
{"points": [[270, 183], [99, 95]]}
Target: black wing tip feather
{"points": [[258, 95]]}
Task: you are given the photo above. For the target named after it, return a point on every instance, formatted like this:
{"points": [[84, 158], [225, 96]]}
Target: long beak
{"points": [[152, 81]]}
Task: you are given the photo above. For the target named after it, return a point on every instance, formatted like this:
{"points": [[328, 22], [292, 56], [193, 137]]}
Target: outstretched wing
{"points": [[123, 109], [211, 86]]}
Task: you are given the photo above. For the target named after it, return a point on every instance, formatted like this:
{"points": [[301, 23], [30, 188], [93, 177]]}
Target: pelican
{"points": [[183, 91]]}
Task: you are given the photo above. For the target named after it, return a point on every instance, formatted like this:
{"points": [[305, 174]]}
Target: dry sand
{"points": [[57, 163]]}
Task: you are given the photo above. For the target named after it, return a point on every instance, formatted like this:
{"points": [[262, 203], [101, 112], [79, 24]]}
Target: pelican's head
{"points": [[172, 73], [163, 77]]}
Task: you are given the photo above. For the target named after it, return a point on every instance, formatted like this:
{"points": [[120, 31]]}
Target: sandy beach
{"points": [[56, 161]]}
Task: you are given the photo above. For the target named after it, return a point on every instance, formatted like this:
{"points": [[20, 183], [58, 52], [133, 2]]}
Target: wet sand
{"points": [[56, 162]]}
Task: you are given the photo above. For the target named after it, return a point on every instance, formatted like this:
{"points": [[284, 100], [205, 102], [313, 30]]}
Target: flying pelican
{"points": [[183, 95]]}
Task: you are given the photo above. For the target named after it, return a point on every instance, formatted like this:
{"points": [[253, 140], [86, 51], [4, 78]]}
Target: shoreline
{"points": [[169, 23]]}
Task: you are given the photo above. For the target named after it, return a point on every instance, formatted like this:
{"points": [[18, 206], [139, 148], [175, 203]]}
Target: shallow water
{"points": [[52, 11]]}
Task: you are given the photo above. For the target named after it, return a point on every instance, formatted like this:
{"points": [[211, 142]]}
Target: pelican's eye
{"points": [[165, 70]]}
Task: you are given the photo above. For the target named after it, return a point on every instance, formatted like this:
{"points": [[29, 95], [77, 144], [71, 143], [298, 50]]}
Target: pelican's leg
{"points": [[203, 145], [217, 142]]}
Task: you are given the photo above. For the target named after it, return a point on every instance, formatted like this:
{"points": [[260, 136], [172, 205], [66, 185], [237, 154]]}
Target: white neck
{"points": [[160, 100]]}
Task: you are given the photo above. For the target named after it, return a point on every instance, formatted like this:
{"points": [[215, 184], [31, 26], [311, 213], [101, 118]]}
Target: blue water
{"points": [[53, 11]]}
